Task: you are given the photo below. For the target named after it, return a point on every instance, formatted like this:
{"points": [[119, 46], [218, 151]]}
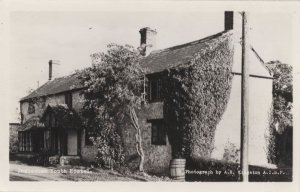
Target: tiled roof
{"points": [[157, 61], [32, 124], [57, 85], [171, 57]]}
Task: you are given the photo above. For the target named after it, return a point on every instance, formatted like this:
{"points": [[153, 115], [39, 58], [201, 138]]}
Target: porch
{"points": [[56, 135]]}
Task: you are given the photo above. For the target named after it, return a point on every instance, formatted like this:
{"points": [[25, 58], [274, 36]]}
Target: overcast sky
{"points": [[37, 37]]}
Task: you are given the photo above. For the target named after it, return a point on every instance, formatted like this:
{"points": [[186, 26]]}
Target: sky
{"points": [[71, 37]]}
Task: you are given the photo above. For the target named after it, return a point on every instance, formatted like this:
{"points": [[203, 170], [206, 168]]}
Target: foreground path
{"points": [[23, 172]]}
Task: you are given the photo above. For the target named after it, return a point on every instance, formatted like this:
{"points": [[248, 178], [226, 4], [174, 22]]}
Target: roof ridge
{"points": [[56, 83], [65, 76], [202, 40]]}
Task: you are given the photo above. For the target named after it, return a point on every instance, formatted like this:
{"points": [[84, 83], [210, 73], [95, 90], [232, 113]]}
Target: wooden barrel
{"points": [[177, 169]]}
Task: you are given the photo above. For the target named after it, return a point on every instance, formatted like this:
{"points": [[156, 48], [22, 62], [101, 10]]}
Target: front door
{"points": [[72, 142]]}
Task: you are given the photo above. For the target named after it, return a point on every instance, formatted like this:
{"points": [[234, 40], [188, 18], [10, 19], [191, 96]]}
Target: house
{"points": [[51, 114]]}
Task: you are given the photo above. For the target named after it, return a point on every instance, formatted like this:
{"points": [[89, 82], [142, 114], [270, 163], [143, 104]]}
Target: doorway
{"points": [[72, 142]]}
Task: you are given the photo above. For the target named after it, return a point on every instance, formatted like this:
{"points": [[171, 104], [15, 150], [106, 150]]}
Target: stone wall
{"points": [[13, 137], [88, 152], [40, 106], [42, 103], [78, 100], [157, 157]]}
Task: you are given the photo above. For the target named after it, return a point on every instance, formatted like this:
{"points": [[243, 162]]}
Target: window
{"points": [[155, 86], [158, 133], [68, 99], [88, 135], [31, 108], [25, 141]]}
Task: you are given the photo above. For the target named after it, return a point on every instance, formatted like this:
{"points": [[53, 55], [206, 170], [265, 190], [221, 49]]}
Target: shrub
{"points": [[281, 120], [231, 153], [226, 171]]}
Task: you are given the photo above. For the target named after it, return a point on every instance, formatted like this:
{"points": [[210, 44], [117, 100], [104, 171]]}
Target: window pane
{"points": [[163, 134], [31, 108], [153, 90], [155, 85], [158, 133], [68, 99], [158, 89]]}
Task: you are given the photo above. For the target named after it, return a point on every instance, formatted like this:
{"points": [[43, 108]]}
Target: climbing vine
{"points": [[196, 96]]}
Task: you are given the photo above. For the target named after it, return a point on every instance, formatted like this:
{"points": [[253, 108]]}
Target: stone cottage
{"points": [[50, 119]]}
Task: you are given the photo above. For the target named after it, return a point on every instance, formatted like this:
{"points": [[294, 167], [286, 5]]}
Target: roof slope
{"points": [[157, 61], [171, 57], [32, 124], [58, 85]]}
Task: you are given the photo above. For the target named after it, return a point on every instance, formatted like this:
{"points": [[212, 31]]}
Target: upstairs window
{"points": [[155, 86], [31, 108], [68, 99], [158, 133]]}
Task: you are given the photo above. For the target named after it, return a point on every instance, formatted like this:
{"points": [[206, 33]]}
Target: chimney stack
{"points": [[148, 40], [52, 70], [229, 20]]}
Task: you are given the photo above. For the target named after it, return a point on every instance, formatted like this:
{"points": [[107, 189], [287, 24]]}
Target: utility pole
{"points": [[245, 97]]}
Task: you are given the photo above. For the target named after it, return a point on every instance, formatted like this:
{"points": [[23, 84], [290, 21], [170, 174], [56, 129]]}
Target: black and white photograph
{"points": [[138, 94]]}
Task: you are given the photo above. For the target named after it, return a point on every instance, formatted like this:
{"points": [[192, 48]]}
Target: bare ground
{"points": [[23, 172]]}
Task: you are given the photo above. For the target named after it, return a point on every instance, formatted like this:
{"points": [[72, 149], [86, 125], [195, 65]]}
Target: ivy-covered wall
{"points": [[196, 96]]}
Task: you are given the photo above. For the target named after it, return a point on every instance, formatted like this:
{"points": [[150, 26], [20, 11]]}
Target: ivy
{"points": [[281, 117], [196, 96]]}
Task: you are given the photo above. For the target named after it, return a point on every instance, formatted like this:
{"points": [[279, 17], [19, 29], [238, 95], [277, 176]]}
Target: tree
{"points": [[138, 138], [113, 92], [281, 123]]}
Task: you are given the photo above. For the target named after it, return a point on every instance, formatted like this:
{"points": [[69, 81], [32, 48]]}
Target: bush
{"points": [[281, 123], [110, 153], [220, 170], [231, 153]]}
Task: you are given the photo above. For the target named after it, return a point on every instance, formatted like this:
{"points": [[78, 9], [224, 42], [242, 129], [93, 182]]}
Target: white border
{"points": [[127, 6]]}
